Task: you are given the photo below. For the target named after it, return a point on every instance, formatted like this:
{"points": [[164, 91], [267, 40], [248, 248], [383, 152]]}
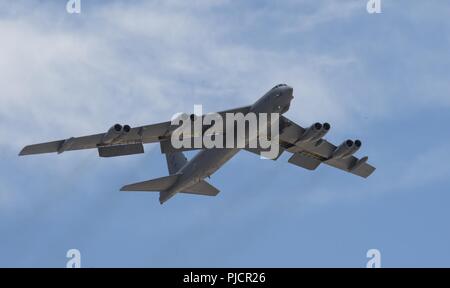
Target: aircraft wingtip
{"points": [[22, 152]]}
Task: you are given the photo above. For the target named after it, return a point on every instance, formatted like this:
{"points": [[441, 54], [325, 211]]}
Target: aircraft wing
{"points": [[310, 154], [136, 136], [112, 143]]}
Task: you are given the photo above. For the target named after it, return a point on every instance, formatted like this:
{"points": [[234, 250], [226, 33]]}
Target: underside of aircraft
{"points": [[306, 144]]}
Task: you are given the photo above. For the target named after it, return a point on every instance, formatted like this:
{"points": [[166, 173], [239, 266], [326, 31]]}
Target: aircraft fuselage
{"points": [[208, 161]]}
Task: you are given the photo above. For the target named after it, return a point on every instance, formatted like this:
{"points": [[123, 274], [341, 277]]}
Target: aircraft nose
{"points": [[289, 92]]}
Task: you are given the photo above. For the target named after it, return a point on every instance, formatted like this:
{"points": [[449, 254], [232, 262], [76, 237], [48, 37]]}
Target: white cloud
{"points": [[323, 12], [138, 63]]}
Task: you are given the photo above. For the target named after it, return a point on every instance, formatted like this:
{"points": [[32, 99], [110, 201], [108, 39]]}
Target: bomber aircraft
{"points": [[308, 147]]}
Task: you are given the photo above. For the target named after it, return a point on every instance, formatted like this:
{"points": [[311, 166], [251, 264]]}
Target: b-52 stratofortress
{"points": [[307, 145]]}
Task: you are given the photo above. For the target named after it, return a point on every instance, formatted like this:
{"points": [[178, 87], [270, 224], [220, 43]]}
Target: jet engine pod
{"points": [[113, 133], [347, 149], [311, 132], [325, 128], [356, 145], [126, 128], [343, 149]]}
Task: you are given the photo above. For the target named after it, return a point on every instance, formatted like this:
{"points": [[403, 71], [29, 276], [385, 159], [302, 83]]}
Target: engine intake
{"points": [[115, 133], [315, 132], [311, 132], [325, 128], [347, 149]]}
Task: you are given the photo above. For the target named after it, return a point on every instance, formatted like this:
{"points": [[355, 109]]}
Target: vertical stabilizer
{"points": [[175, 161]]}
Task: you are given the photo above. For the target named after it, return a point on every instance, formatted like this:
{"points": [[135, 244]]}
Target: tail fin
{"points": [[158, 184], [175, 161]]}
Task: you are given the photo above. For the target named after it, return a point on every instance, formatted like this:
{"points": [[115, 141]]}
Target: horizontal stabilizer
{"points": [[158, 184], [202, 188]]}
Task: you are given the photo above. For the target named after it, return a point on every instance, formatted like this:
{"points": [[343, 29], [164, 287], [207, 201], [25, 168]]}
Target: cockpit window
{"points": [[279, 85]]}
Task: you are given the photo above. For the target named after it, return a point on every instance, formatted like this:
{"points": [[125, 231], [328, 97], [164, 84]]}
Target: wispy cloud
{"points": [[142, 63], [137, 63]]}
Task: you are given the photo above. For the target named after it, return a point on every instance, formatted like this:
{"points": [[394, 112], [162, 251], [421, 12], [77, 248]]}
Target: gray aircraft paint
{"points": [[208, 161], [307, 145]]}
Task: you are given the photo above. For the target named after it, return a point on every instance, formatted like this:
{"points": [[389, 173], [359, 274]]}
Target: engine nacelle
{"points": [[114, 133], [325, 128], [315, 132], [347, 149], [126, 128], [356, 145], [311, 132]]}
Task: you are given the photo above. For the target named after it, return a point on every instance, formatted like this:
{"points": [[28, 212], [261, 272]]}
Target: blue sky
{"points": [[380, 78]]}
